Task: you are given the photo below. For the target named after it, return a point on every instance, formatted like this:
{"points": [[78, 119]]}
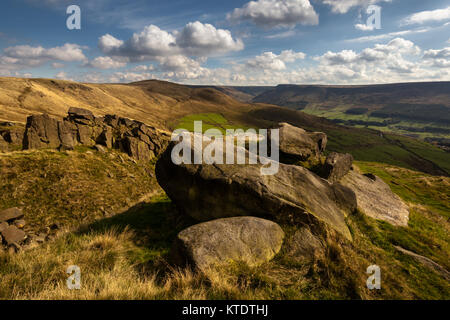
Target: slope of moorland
{"points": [[167, 105], [154, 102]]}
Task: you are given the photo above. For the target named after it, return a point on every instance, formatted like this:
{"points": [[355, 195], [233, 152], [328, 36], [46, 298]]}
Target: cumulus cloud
{"points": [[67, 52], [107, 63], [438, 58], [62, 76], [142, 67], [23, 56], [428, 16], [128, 77], [272, 61], [343, 6], [201, 39], [276, 13], [195, 39], [390, 58]]}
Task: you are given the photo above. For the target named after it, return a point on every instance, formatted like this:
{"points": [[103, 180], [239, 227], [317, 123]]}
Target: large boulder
{"points": [[41, 132], [376, 199], [240, 239], [211, 191], [297, 144], [304, 246], [66, 135], [82, 116], [337, 165]]}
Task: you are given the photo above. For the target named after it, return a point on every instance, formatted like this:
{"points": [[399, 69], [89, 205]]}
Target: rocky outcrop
{"points": [[297, 144], [11, 136], [211, 191], [81, 127], [41, 132], [16, 235], [337, 165], [217, 243], [376, 199]]}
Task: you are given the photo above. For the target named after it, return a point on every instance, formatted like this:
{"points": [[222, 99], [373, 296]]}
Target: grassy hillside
{"points": [[122, 248], [152, 101], [417, 109]]}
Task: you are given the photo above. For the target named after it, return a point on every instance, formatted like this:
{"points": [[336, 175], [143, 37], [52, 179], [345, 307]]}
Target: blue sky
{"points": [[263, 42]]}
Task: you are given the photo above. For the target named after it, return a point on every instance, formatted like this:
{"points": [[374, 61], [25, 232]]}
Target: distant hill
{"points": [[167, 105], [420, 110]]}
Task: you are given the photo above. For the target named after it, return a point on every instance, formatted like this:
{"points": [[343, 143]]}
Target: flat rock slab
{"points": [[11, 235], [240, 239], [10, 214], [376, 199]]}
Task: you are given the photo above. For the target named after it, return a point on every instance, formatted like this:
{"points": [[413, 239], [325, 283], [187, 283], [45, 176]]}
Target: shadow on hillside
{"points": [[154, 225]]}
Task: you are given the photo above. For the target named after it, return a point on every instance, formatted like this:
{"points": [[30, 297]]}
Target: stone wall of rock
{"points": [[81, 127]]}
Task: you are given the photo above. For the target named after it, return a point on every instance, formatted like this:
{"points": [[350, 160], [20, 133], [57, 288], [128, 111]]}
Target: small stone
{"points": [[12, 234], [10, 214], [20, 223]]}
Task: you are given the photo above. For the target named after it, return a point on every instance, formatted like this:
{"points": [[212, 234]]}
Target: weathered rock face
{"points": [[11, 136], [376, 199], [81, 127], [304, 246], [41, 132], [298, 145], [211, 191], [240, 239], [337, 165]]}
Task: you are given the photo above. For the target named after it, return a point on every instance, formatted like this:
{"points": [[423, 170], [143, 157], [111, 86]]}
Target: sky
{"points": [[233, 42]]}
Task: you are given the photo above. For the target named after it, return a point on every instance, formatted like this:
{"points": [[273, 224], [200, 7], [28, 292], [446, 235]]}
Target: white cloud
{"points": [[108, 43], [428, 16], [62, 76], [276, 13], [107, 63], [129, 77], [364, 27], [343, 6], [24, 56], [152, 43], [142, 68], [272, 61], [57, 65], [201, 39], [68, 52], [438, 58]]}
